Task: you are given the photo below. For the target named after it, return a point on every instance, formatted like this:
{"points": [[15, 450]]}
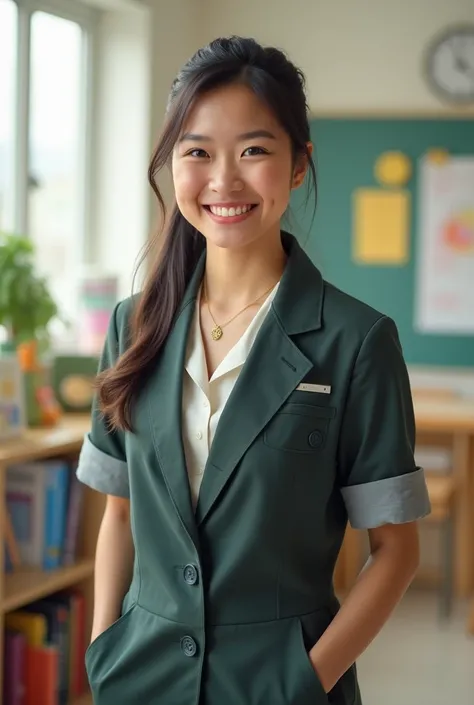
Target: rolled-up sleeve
{"points": [[102, 461], [379, 480], [101, 471]]}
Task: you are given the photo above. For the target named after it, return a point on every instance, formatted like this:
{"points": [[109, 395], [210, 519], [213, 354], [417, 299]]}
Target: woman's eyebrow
{"points": [[257, 134], [254, 134]]}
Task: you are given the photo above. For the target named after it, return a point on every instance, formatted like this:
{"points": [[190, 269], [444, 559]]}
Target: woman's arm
{"points": [[113, 564], [380, 586]]}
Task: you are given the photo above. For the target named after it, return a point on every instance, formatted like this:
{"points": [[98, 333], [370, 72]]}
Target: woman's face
{"points": [[233, 169]]}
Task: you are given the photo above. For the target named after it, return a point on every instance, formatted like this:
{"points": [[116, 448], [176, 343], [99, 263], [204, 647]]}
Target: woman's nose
{"points": [[226, 178]]}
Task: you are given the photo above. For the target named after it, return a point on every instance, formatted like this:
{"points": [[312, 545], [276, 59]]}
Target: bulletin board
{"points": [[346, 150]]}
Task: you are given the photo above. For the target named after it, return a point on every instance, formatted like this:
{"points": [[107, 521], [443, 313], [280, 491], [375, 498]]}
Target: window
{"points": [[55, 191], [45, 91], [8, 52]]}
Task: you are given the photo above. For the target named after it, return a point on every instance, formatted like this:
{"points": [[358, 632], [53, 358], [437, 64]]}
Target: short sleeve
{"points": [[102, 461], [380, 482]]}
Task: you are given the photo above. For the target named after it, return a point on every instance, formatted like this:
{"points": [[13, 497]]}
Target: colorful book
{"points": [[78, 644], [12, 550], [33, 626], [73, 650], [24, 497], [74, 511], [14, 671], [37, 498], [42, 664], [57, 616], [56, 511]]}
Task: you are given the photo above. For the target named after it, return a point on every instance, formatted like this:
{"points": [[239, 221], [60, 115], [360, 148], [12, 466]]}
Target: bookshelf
{"points": [[25, 585]]}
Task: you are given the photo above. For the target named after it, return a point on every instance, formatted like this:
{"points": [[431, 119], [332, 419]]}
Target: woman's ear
{"points": [[301, 167]]}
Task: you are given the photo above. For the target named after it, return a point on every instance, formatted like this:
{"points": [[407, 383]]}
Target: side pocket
{"points": [[103, 636], [346, 689], [312, 685]]}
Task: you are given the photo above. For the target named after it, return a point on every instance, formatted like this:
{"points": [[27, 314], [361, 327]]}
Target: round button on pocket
{"points": [[188, 646], [190, 574], [315, 439]]}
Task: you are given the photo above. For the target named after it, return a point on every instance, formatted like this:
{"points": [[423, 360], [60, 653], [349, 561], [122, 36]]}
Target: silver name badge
{"points": [[319, 388]]}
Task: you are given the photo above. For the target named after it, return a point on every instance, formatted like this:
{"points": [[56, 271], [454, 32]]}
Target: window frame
{"points": [[88, 19]]}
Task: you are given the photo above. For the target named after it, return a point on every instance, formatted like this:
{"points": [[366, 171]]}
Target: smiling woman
{"points": [[247, 409], [234, 166]]}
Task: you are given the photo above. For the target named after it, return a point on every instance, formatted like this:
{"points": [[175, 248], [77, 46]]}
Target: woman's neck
{"points": [[236, 277]]}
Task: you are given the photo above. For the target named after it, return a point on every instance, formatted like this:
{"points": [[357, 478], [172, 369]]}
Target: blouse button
{"points": [[199, 435]]}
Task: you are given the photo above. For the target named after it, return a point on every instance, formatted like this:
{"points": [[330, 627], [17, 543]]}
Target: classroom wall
{"points": [[357, 54], [359, 57], [140, 47], [121, 144], [176, 35], [346, 151]]}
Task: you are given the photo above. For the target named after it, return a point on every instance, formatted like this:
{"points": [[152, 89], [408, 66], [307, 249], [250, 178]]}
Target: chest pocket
{"points": [[299, 428]]}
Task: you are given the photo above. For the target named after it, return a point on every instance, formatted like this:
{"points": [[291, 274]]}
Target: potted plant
{"points": [[26, 305], [26, 309]]}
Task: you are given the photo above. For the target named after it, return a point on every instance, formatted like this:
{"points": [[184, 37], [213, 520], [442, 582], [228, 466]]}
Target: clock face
{"points": [[450, 65]]}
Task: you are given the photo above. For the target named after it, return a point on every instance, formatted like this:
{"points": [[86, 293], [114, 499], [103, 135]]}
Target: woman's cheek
{"points": [[187, 184]]}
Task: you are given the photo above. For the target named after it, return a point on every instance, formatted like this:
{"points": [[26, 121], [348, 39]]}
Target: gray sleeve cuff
{"points": [[102, 472], [395, 500]]}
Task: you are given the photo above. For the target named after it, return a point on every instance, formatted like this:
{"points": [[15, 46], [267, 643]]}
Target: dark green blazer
{"points": [[226, 601]]}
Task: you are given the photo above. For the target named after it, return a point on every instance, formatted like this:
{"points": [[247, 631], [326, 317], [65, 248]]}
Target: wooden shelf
{"points": [[26, 585], [35, 444]]}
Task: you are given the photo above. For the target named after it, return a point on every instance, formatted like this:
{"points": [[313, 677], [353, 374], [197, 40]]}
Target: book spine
{"points": [[24, 493], [12, 550], [55, 511], [76, 495], [63, 614], [14, 669], [41, 675], [80, 645]]}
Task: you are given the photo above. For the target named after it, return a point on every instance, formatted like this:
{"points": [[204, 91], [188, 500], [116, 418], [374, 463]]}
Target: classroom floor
{"points": [[416, 661]]}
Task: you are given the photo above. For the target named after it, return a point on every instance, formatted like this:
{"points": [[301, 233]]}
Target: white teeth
{"points": [[229, 212]]}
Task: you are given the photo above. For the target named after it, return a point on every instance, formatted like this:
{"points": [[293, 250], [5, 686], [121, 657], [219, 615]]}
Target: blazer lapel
{"points": [[164, 399], [272, 371]]}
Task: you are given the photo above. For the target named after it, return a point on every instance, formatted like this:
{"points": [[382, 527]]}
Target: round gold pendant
{"points": [[217, 333]]}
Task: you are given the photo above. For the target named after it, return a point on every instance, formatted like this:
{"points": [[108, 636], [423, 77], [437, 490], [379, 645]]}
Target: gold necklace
{"points": [[217, 332]]}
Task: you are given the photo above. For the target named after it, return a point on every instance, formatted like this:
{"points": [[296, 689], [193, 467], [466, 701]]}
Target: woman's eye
{"points": [[254, 151], [199, 153]]}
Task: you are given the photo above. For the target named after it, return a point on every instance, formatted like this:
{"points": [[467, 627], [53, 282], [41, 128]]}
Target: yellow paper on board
{"points": [[381, 226]]}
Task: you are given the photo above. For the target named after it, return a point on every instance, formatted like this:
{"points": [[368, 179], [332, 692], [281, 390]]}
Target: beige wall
{"points": [[176, 36], [140, 47], [121, 144], [357, 54]]}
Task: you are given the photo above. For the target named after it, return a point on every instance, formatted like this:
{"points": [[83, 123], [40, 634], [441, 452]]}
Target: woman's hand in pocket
{"points": [[101, 627], [319, 670]]}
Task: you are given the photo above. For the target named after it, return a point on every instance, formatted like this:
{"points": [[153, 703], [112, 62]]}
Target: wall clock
{"points": [[449, 65]]}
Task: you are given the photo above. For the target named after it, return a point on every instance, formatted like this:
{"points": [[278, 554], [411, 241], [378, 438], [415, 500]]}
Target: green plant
{"points": [[26, 305]]}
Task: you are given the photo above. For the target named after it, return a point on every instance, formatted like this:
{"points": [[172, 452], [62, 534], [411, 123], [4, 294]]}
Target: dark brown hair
{"points": [[277, 82]]}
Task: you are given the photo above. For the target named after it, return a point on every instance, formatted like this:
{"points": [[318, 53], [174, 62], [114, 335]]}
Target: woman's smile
{"points": [[230, 213]]}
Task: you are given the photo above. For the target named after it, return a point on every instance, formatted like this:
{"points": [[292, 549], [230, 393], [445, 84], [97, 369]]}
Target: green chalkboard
{"points": [[345, 154]]}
